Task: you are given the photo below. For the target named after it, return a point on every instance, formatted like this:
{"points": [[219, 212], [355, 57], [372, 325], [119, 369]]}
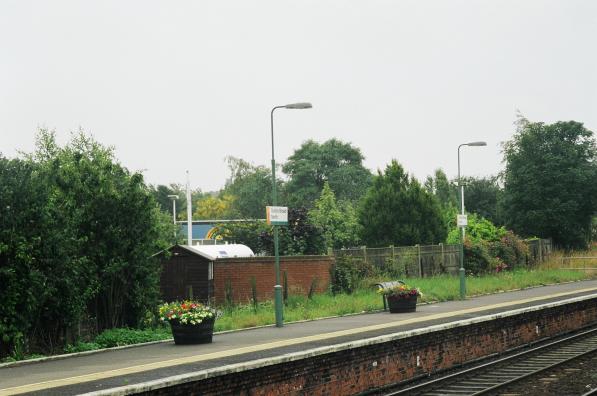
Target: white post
{"points": [[174, 211], [462, 204], [189, 214]]}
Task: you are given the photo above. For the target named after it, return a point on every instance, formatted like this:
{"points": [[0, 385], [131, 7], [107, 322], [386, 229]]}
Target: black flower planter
{"points": [[185, 334], [399, 304]]}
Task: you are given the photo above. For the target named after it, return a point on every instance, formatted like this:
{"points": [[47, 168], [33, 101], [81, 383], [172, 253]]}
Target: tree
{"points": [[160, 194], [337, 221], [76, 234], [297, 238], [397, 210], [210, 207], [33, 270], [251, 186], [338, 163], [482, 196], [445, 191], [550, 181]]}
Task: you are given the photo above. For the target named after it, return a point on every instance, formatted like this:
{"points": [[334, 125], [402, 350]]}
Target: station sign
{"points": [[461, 220], [276, 215]]}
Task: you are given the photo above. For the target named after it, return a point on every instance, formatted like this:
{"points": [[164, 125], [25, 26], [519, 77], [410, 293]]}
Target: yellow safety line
{"points": [[261, 347]]}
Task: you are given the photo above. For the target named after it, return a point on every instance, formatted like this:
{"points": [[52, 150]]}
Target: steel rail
{"points": [[484, 382]]}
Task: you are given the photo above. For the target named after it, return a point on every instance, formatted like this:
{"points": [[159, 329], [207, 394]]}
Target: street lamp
{"points": [[278, 287], [173, 198], [461, 271]]}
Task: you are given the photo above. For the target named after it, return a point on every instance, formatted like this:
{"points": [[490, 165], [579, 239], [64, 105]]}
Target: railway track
{"points": [[491, 377]]}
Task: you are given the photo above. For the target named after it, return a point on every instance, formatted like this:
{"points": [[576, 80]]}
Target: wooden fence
{"points": [[429, 260], [539, 250], [415, 260]]}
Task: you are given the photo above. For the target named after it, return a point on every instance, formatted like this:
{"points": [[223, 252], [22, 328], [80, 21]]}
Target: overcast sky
{"points": [[177, 85]]}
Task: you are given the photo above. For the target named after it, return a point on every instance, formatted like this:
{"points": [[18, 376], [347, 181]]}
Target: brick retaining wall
{"points": [[358, 366], [300, 270]]}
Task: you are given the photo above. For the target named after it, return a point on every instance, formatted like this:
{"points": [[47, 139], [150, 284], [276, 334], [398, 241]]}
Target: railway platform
{"points": [[245, 356]]}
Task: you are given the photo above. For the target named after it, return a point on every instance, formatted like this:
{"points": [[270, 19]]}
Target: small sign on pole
{"points": [[276, 215], [461, 220]]}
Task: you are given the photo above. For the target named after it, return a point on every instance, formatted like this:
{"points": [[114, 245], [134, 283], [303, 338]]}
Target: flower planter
{"points": [[185, 334], [399, 304]]}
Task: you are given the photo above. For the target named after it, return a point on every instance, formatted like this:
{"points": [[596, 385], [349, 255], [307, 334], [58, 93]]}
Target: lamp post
{"points": [[174, 198], [461, 271], [278, 287]]}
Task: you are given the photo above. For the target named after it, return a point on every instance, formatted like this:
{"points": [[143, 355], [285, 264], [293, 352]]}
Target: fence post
{"points": [[441, 245], [364, 254], [540, 250], [419, 258], [390, 265]]}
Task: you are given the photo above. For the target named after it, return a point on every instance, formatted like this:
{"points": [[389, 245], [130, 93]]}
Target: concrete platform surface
{"points": [[124, 367]]}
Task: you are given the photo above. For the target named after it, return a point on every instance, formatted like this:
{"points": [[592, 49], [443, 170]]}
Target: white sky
{"points": [[177, 85]]}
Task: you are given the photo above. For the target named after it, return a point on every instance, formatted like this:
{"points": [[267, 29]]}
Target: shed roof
{"points": [[214, 252]]}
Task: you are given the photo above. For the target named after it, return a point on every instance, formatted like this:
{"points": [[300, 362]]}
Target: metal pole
{"points": [[174, 211], [277, 286], [174, 197], [174, 217], [461, 271], [189, 214]]}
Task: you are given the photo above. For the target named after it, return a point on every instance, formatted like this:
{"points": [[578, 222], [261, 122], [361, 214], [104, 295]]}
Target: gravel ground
{"points": [[576, 378]]}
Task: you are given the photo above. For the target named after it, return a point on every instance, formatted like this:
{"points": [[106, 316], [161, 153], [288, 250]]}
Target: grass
{"points": [[582, 260], [364, 299]]}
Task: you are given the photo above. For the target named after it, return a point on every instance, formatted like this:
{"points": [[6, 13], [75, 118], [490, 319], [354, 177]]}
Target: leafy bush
{"points": [[478, 229], [123, 336], [510, 249], [487, 247], [76, 231], [344, 276], [477, 257]]}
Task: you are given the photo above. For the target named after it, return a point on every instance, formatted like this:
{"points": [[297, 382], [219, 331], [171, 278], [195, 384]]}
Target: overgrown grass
{"points": [[586, 260], [300, 308], [364, 299], [446, 288]]}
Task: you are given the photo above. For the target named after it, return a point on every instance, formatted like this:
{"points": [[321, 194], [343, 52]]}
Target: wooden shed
{"points": [[187, 271]]}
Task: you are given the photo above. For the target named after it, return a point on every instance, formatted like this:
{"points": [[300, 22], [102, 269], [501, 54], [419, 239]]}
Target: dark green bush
{"points": [[510, 249], [345, 275], [477, 258]]}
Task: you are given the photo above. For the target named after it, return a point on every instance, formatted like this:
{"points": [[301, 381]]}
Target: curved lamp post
{"points": [[278, 287], [461, 271]]}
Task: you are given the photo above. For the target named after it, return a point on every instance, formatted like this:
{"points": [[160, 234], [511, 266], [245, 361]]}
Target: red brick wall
{"points": [[300, 270]]}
